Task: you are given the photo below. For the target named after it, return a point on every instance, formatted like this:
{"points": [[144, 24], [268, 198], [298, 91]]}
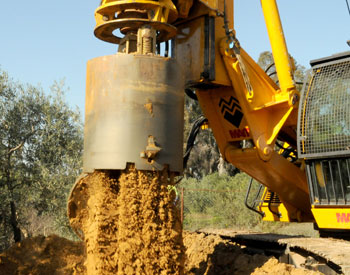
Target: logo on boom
{"points": [[232, 111]]}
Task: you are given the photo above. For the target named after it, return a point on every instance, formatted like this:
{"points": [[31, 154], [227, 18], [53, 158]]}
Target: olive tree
{"points": [[40, 157]]}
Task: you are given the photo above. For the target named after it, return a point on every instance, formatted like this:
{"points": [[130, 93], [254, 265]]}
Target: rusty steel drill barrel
{"points": [[134, 113]]}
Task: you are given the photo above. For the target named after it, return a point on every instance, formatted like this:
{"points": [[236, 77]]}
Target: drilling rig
{"points": [[134, 107]]}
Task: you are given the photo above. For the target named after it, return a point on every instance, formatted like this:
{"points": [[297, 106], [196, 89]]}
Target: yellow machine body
{"points": [[242, 103], [332, 218], [258, 112]]}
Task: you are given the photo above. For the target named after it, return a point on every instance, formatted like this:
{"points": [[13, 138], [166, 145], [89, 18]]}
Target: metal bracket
{"points": [[151, 150]]}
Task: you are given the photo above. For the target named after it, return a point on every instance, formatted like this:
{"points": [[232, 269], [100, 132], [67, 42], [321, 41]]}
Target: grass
{"points": [[226, 210]]}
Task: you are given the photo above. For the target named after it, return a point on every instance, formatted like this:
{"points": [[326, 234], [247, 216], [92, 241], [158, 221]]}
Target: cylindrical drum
{"points": [[133, 113]]}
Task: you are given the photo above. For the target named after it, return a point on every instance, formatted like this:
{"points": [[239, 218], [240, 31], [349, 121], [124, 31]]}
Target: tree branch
{"points": [[19, 146]]}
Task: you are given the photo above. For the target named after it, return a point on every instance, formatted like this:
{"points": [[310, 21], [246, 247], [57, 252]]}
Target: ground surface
{"points": [[130, 225], [205, 254]]}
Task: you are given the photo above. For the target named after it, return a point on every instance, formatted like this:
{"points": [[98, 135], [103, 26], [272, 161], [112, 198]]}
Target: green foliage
{"points": [[41, 142], [223, 207], [266, 62], [217, 202]]}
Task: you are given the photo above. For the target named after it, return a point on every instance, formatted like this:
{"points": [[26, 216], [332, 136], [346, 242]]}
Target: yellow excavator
{"points": [[295, 143]]}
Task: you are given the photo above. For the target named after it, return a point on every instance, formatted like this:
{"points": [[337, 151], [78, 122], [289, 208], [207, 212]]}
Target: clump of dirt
{"points": [[273, 267], [43, 255], [131, 225]]}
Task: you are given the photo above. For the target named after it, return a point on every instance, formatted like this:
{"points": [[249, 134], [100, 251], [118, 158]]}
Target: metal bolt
{"points": [[147, 44], [146, 38], [267, 150]]}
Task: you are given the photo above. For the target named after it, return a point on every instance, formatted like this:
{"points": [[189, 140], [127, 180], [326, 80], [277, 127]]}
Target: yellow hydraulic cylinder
{"points": [[278, 44]]}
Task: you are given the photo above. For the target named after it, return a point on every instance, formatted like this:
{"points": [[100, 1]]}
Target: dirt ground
{"points": [[43, 255], [130, 225], [205, 254]]}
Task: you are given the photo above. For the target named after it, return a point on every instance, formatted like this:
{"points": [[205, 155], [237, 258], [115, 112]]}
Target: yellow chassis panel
{"points": [[332, 218], [277, 209]]}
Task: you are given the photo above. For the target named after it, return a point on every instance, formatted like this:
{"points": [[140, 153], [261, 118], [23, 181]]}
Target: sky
{"points": [[46, 41]]}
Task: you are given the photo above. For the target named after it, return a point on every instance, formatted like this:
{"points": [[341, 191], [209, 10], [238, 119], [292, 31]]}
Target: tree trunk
{"points": [[221, 166], [13, 216], [14, 223]]}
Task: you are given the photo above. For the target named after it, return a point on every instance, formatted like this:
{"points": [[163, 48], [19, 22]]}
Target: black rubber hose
{"points": [[191, 93], [192, 137], [269, 67]]}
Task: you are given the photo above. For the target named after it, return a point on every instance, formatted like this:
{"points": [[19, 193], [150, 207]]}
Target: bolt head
{"points": [[267, 150]]}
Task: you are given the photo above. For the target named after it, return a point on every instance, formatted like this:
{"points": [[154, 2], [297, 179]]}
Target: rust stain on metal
{"points": [[149, 108]]}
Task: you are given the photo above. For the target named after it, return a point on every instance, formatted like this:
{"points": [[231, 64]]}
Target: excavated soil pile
{"points": [[273, 267], [206, 254], [40, 255], [211, 255], [130, 224]]}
